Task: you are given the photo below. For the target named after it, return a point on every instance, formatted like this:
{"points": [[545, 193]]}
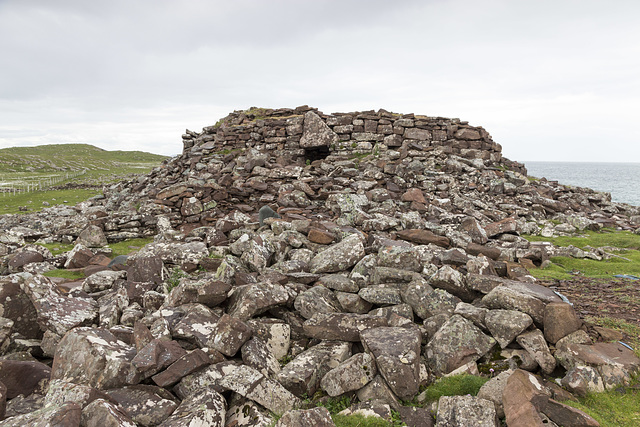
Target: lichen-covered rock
{"points": [[16, 306], [453, 282], [352, 374], [316, 133], [146, 405], [207, 408], [317, 417], [243, 412], [303, 374], [92, 237], [506, 325], [102, 280], [317, 299], [228, 335], [256, 353], [251, 384], [456, 343], [465, 410], [341, 326], [56, 311], [250, 300], [503, 297], [66, 415], [397, 355], [339, 257], [535, 344], [93, 356]]}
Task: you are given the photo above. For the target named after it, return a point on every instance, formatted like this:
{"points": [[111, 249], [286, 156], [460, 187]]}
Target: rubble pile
{"points": [[389, 255]]}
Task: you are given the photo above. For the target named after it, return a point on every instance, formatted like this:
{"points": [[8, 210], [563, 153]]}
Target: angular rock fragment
{"points": [[338, 257], [317, 417], [207, 408], [253, 385], [250, 300], [506, 325], [536, 345], [465, 410], [352, 374], [93, 356], [303, 374], [146, 405], [397, 355], [341, 326], [456, 343]]}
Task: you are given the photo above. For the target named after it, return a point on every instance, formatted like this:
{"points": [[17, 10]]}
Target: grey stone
{"points": [[397, 355]]}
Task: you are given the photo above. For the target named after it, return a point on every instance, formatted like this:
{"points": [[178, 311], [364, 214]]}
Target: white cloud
{"points": [[549, 80]]}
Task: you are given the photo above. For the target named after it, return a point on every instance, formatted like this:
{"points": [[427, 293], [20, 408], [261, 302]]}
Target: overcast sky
{"points": [[550, 80]]}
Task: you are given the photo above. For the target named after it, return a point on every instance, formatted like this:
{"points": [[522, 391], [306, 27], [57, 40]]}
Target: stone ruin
{"points": [[395, 259]]}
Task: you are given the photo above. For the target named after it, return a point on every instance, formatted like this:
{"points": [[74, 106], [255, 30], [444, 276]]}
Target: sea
{"points": [[622, 180]]}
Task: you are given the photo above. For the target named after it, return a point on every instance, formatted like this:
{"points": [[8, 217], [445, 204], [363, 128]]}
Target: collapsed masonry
{"points": [[398, 259]]}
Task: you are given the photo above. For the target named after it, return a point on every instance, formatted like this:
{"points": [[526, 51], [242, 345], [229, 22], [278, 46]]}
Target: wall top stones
{"points": [[304, 133]]}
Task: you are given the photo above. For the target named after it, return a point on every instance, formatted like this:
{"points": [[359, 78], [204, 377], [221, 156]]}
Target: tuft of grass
{"points": [[57, 248], [128, 246], [457, 385], [613, 408], [362, 421], [174, 277], [65, 274]]}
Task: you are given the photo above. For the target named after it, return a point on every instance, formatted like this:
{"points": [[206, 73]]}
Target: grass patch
{"points": [[128, 246], [564, 268], [457, 385], [605, 237], [57, 248], [65, 274], [612, 408], [10, 204], [361, 421]]}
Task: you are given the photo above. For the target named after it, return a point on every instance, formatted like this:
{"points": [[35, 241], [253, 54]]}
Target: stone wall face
{"points": [[295, 133]]}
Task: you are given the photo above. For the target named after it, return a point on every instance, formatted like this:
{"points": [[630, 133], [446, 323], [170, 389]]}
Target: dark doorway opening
{"points": [[312, 154]]}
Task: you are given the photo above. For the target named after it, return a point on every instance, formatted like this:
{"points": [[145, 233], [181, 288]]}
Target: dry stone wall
{"points": [[305, 133]]}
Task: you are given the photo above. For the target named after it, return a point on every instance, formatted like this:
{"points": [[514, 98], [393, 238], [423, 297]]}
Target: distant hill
{"points": [[74, 157]]}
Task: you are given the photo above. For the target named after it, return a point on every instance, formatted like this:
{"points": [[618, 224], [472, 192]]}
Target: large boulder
{"points": [[456, 343], [339, 257], [397, 355], [95, 357]]}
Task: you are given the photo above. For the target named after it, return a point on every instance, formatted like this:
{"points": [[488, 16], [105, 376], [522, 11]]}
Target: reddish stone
{"points": [[423, 237], [182, 367], [414, 195], [22, 377], [320, 236], [507, 225], [560, 319]]}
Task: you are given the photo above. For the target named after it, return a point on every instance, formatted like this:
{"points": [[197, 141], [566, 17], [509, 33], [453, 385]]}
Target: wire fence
{"points": [[13, 186]]}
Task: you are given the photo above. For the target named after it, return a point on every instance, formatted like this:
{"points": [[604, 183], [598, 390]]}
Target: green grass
{"points": [[457, 385], [361, 421], [605, 237], [564, 268], [128, 246], [57, 248], [57, 158], [612, 408], [65, 274], [9, 204]]}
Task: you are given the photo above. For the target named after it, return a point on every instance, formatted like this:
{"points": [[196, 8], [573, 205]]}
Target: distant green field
{"points": [[30, 176]]}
